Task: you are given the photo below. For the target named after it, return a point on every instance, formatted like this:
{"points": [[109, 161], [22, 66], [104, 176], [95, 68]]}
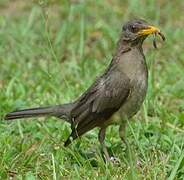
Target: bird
{"points": [[121, 88]]}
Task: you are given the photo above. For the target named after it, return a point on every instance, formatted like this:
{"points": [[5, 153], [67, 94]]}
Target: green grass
{"points": [[50, 52]]}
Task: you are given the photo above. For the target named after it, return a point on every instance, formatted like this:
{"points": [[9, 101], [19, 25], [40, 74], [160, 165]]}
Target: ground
{"points": [[50, 52]]}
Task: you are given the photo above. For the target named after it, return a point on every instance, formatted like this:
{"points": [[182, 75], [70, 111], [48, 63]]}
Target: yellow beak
{"points": [[149, 30]]}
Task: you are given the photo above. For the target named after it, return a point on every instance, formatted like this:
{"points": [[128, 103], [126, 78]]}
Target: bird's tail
{"points": [[61, 111]]}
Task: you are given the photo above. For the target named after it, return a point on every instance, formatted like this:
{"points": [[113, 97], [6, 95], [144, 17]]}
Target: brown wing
{"points": [[99, 102]]}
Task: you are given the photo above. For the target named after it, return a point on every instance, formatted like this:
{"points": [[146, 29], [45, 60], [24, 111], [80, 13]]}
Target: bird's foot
{"points": [[114, 160]]}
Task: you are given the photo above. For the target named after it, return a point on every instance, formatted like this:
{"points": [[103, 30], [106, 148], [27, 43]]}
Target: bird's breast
{"points": [[136, 96], [136, 69]]}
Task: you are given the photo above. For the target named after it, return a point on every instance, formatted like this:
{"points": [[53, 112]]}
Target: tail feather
{"points": [[58, 111]]}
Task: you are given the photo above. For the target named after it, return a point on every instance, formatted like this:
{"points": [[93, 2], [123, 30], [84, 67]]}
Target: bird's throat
{"points": [[132, 62]]}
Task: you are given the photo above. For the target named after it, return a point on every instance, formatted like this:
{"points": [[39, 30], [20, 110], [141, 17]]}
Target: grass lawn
{"points": [[50, 52]]}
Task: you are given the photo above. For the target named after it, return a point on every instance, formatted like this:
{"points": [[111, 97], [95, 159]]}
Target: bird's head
{"points": [[136, 31]]}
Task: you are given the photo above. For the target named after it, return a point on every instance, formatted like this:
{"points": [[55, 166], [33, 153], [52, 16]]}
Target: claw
{"points": [[115, 160]]}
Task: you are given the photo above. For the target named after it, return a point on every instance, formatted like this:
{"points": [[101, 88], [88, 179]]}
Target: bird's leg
{"points": [[101, 138], [122, 133]]}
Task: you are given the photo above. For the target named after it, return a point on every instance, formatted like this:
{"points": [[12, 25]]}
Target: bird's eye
{"points": [[134, 29]]}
